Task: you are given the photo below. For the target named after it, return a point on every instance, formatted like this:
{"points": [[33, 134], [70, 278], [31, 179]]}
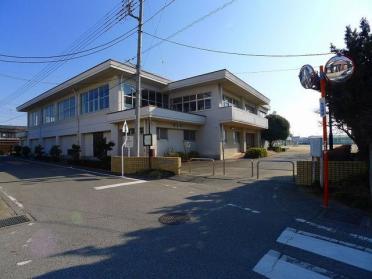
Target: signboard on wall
{"points": [[130, 142], [147, 140]]}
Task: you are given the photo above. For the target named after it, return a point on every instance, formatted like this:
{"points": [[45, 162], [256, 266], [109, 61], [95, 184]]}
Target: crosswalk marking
{"points": [[277, 266], [327, 248]]}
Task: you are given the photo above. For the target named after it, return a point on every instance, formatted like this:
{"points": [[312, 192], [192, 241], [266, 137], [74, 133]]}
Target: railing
{"points": [[203, 159], [251, 166], [276, 161]]}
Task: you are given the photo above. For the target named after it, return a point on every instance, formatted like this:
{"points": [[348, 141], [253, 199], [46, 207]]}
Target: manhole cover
{"points": [[174, 218], [13, 221]]}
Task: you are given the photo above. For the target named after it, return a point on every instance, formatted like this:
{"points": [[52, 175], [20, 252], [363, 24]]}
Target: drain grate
{"points": [[174, 218], [13, 221]]}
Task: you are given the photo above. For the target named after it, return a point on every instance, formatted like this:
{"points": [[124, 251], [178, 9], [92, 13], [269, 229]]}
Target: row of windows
{"points": [[190, 103], [188, 135], [149, 97], [66, 108], [231, 102], [95, 99]]}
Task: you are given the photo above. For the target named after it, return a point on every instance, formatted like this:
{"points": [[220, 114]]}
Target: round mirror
{"points": [[309, 78], [339, 68]]}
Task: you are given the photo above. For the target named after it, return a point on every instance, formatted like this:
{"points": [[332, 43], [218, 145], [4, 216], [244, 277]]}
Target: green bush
{"points": [[55, 152], [26, 151], [277, 149], [17, 150], [255, 152], [74, 152], [39, 151]]}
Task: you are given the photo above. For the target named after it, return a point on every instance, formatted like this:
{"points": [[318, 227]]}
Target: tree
{"points": [[17, 150], [26, 151], [278, 129], [351, 102], [39, 151], [74, 152]]}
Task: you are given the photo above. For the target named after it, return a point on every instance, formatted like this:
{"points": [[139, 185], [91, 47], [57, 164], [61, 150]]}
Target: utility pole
{"points": [[139, 18]]}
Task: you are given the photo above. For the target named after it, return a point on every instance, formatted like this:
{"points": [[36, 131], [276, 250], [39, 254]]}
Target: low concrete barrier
{"points": [[135, 164]]}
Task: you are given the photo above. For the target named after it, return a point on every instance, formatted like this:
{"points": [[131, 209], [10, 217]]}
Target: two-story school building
{"points": [[199, 113]]}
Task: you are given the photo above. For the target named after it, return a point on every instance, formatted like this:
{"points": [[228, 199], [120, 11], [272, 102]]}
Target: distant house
{"points": [[196, 113], [10, 136]]}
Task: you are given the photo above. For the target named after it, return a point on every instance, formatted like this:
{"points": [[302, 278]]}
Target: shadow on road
{"points": [[228, 232]]}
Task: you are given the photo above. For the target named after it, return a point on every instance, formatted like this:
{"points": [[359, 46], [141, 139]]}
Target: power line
{"points": [[269, 71], [24, 79], [236, 53], [82, 51]]}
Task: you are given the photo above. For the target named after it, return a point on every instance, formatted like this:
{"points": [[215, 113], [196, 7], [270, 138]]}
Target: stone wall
{"points": [[134, 164], [338, 170]]}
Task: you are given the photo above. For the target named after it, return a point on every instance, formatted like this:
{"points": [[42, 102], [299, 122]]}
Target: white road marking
{"points": [[328, 248], [243, 208], [24, 262], [119, 185], [329, 229], [82, 170], [274, 266], [13, 199]]}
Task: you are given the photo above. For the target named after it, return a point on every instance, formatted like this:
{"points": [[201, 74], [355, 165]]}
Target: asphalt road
{"points": [[91, 225]]}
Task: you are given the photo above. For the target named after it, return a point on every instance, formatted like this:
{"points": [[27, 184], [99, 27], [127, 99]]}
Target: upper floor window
{"points": [[66, 108], [48, 114], [231, 102], [149, 97], [261, 113], [33, 118], [191, 103], [95, 99], [249, 108]]}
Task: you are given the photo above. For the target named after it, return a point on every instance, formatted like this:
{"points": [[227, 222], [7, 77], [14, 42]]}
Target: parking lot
{"points": [[88, 224]]}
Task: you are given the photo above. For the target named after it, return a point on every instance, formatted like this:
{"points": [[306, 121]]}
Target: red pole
{"points": [[325, 153]]}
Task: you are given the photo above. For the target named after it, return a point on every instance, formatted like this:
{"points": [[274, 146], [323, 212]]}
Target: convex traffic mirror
{"points": [[339, 68]]}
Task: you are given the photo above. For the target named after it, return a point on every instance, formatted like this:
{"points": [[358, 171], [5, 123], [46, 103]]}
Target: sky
{"points": [[49, 27]]}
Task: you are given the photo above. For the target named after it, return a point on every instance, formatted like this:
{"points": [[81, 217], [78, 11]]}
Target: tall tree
{"points": [[278, 129], [351, 102]]}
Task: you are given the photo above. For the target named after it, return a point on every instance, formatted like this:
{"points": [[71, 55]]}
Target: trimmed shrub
{"points": [[255, 152], [277, 149], [26, 151], [74, 152], [55, 152], [39, 151]]}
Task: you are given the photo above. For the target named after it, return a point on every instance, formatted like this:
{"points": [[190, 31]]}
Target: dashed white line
{"points": [[24, 262], [119, 185], [329, 229], [243, 208]]}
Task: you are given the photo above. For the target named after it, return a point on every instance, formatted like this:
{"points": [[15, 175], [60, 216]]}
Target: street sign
{"points": [[339, 68], [309, 78], [322, 107], [147, 140], [129, 142]]}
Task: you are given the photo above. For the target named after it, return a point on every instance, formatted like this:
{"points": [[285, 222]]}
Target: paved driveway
{"points": [[91, 225]]}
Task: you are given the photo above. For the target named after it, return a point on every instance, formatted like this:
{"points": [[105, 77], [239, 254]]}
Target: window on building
{"points": [[48, 114], [66, 108], [129, 96], [237, 137], [148, 97], [189, 135], [191, 103], [230, 102], [249, 108], [161, 133], [95, 99], [33, 119], [131, 131], [261, 113]]}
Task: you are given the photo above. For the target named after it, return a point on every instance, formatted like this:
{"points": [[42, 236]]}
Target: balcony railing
{"points": [[233, 114]]}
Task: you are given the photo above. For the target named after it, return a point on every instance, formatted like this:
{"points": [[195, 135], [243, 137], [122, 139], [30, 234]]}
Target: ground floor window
{"points": [[189, 135], [161, 133], [236, 137]]}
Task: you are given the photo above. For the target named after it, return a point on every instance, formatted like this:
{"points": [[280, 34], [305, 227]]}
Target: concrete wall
{"points": [[135, 164]]}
